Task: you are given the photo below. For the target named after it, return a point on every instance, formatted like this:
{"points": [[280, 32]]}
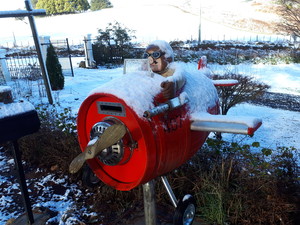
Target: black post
{"points": [[22, 181], [67, 40]]}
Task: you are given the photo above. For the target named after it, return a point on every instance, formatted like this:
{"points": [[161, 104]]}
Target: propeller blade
{"points": [[110, 136]]}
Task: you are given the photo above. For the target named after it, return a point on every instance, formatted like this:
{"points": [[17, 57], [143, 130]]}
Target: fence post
{"points": [[88, 50], [70, 57], [3, 66], [45, 42]]}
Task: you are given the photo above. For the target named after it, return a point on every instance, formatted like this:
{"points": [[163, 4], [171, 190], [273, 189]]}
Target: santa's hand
{"points": [[168, 89]]}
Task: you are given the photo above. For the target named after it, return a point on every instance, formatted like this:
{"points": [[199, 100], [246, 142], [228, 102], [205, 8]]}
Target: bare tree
{"points": [[289, 11]]}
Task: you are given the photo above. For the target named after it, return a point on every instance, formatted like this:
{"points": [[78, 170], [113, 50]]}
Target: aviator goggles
{"points": [[154, 55]]}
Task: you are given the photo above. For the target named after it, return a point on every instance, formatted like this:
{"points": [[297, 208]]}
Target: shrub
{"points": [[100, 4], [247, 89], [241, 184], [233, 183], [54, 117], [54, 69], [113, 44], [55, 144]]}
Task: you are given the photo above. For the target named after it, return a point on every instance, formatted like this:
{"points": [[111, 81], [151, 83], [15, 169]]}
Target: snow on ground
{"points": [[49, 191], [15, 108], [283, 78], [152, 20], [280, 127]]}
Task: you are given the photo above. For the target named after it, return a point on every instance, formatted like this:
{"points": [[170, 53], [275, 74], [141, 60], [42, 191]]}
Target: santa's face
{"points": [[157, 59]]}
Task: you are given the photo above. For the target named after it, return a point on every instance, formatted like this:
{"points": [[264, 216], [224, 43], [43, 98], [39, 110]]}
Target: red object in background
{"points": [[202, 63], [163, 143]]}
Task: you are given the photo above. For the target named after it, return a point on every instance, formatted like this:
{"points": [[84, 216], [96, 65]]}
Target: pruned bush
{"points": [[54, 117], [49, 149], [247, 89], [54, 69], [55, 144]]}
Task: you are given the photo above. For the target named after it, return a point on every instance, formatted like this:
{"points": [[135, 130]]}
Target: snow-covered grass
{"points": [[48, 192]]}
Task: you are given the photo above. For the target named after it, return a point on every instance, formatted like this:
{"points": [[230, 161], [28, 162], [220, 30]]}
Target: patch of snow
{"points": [[279, 127], [4, 89], [15, 108], [138, 90], [200, 90], [283, 78]]}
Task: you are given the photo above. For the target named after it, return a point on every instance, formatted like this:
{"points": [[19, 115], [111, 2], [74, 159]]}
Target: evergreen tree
{"points": [[48, 5], [54, 69], [79, 5], [113, 44], [63, 6], [100, 4]]}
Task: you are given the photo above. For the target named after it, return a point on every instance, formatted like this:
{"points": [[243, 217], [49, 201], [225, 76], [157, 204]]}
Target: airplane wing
{"points": [[224, 123], [225, 83]]}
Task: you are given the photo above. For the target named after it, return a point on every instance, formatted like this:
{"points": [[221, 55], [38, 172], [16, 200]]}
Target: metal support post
{"points": [[149, 203], [22, 181], [170, 191], [70, 58]]}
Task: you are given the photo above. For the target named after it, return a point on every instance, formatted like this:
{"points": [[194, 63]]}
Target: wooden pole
{"points": [[39, 52]]}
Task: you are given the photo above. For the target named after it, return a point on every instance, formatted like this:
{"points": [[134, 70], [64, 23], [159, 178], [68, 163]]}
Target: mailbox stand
{"points": [[19, 119], [149, 203], [22, 181], [149, 199]]}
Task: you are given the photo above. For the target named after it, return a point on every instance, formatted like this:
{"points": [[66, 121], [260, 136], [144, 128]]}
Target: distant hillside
{"points": [[155, 19]]}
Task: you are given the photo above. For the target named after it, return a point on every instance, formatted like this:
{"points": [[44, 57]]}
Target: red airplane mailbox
{"points": [[150, 148], [158, 136]]}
